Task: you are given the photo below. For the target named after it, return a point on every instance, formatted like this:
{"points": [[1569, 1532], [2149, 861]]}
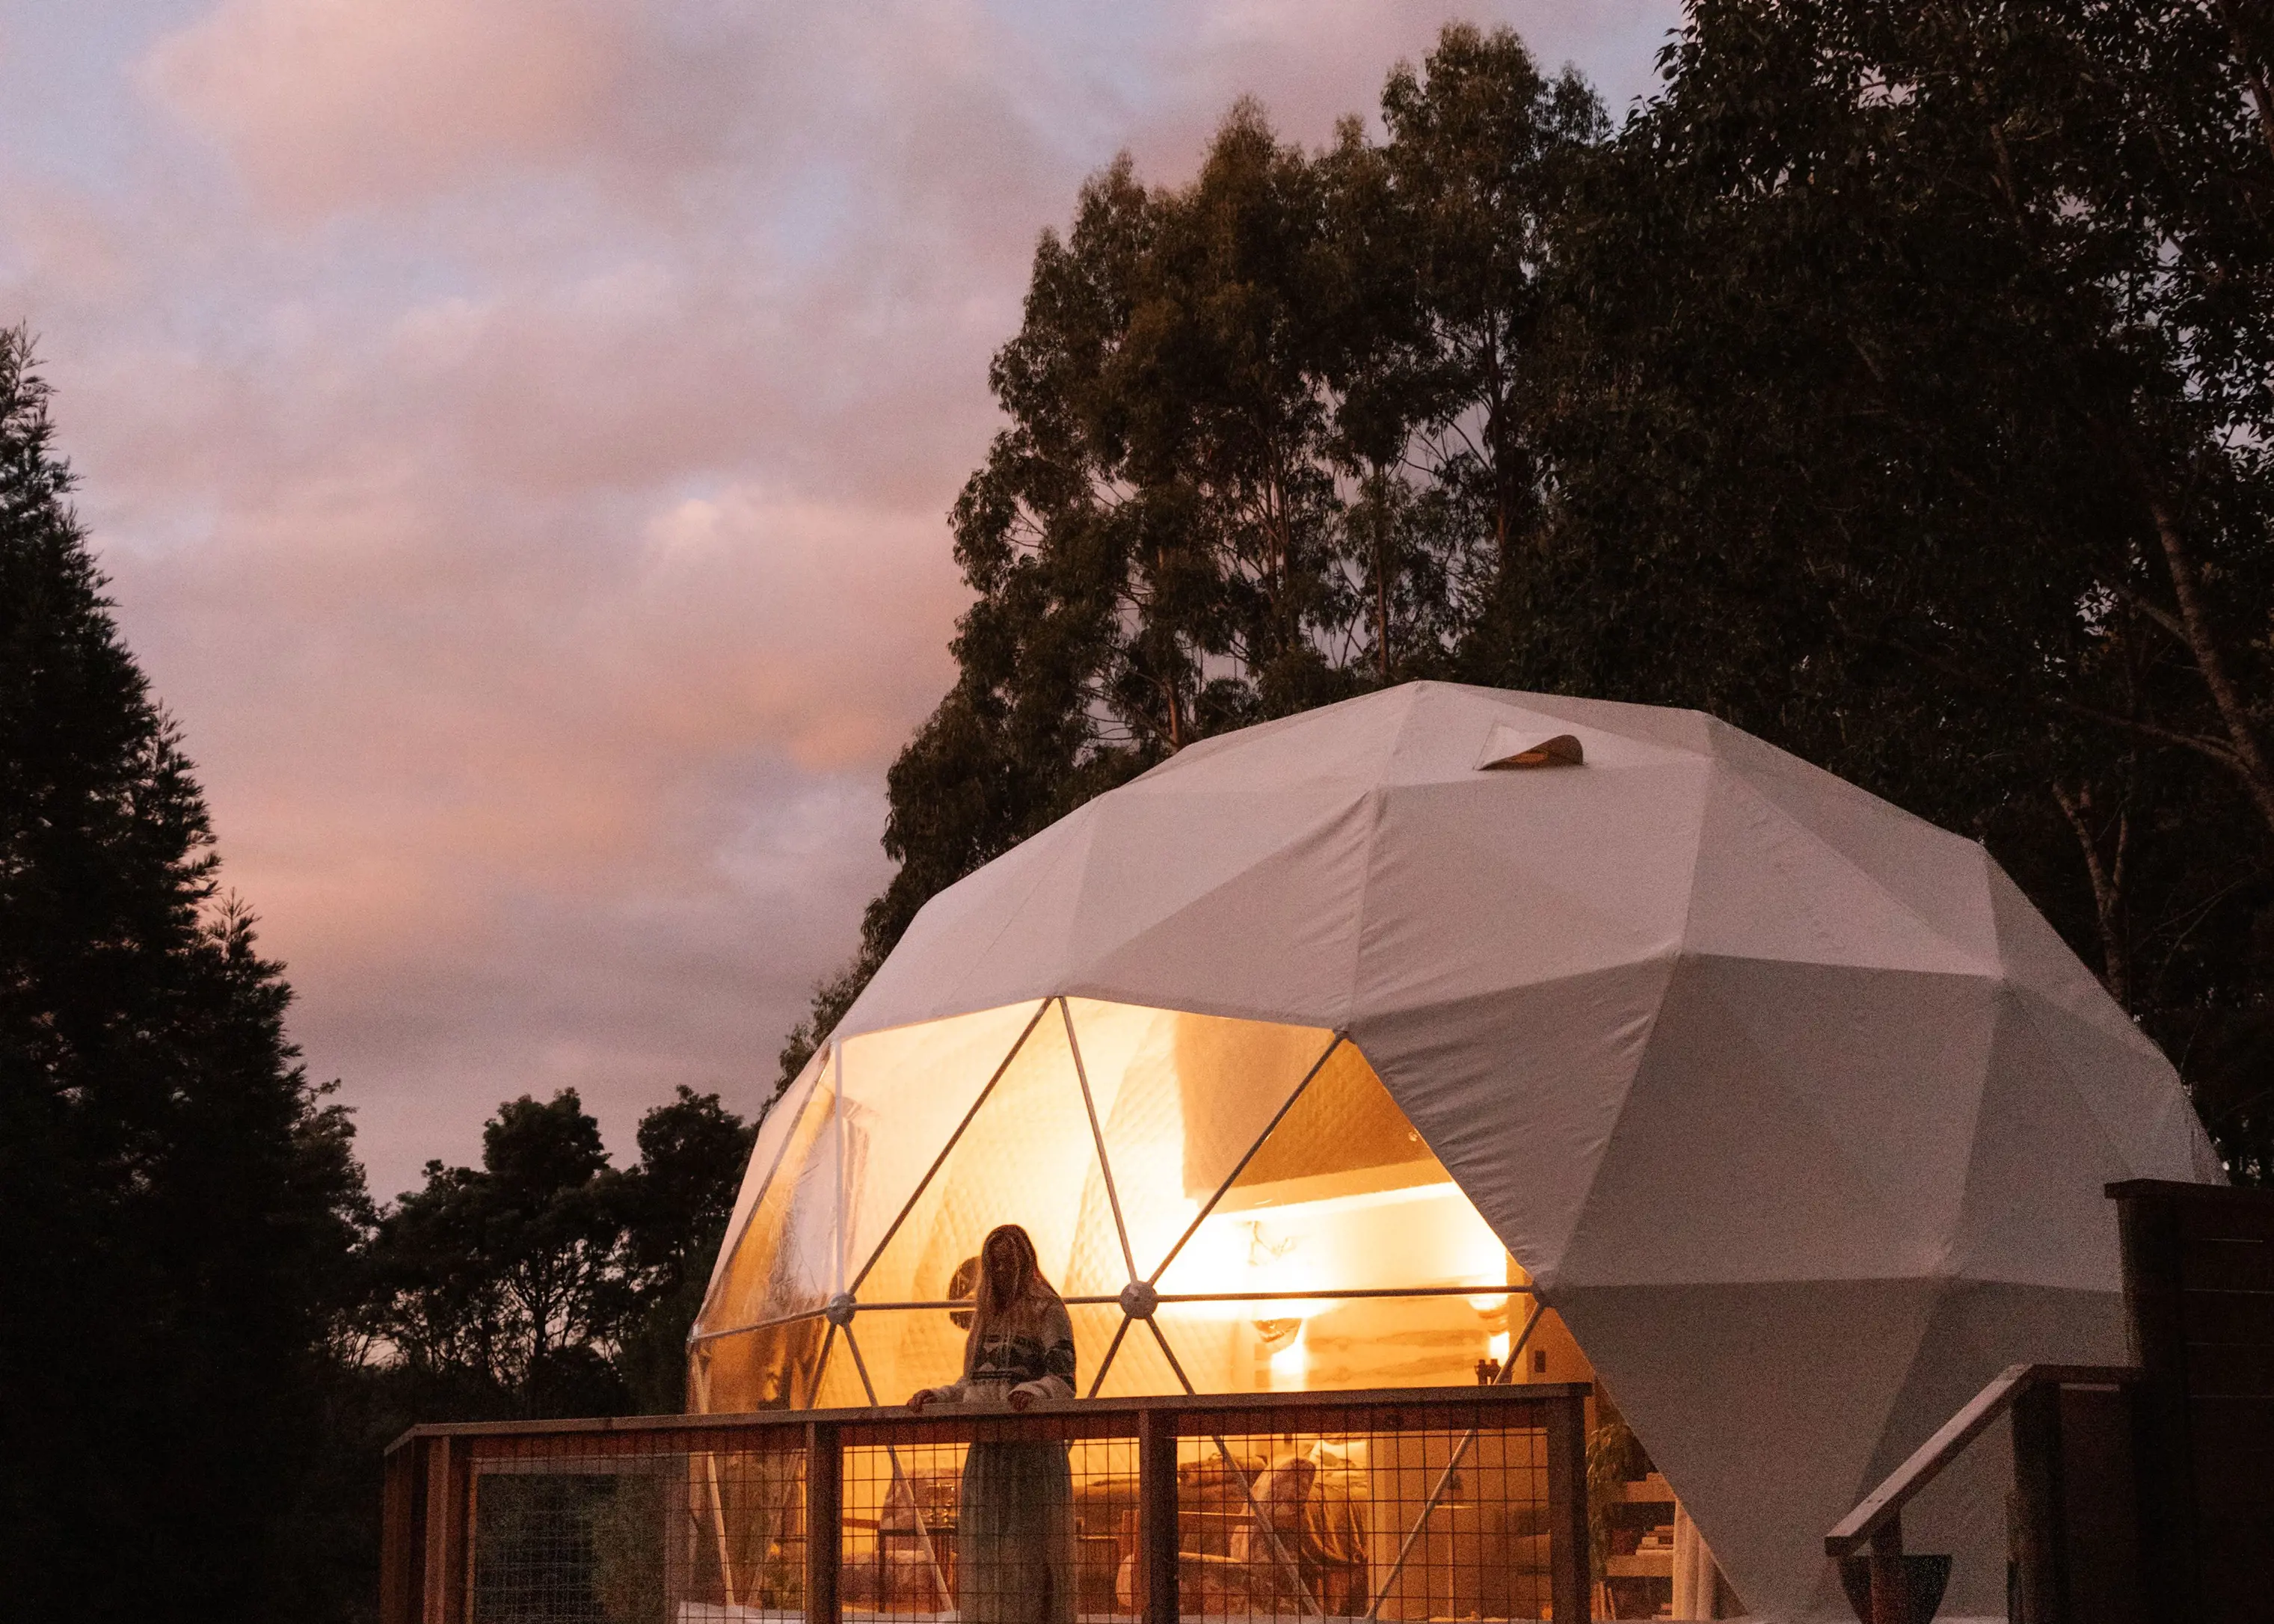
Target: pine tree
{"points": [[176, 1200]]}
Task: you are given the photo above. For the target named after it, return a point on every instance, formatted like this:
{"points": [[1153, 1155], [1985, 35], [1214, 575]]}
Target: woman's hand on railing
{"points": [[922, 1397], [1020, 1398]]}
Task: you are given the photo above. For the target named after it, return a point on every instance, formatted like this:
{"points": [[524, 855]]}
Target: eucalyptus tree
{"points": [[1267, 441]]}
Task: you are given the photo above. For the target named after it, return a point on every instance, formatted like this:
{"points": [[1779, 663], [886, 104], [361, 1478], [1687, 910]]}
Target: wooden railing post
{"points": [[1156, 1515], [447, 1559], [825, 1507], [1891, 1576], [2038, 1504], [2153, 1248], [401, 1537], [1570, 1541]]}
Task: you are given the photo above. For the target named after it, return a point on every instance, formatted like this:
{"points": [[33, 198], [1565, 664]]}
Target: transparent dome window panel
{"points": [[1341, 1196], [841, 1387], [1299, 1231], [775, 1126], [906, 1090], [905, 1349], [1200, 1341], [778, 1367], [785, 1261], [1025, 1156], [746, 1529], [1093, 1328], [1181, 1099]]}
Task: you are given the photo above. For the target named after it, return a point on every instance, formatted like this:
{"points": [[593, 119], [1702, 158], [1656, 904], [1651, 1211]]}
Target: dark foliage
{"points": [[177, 1203], [548, 1282], [1913, 401], [544, 1283], [1895, 384]]}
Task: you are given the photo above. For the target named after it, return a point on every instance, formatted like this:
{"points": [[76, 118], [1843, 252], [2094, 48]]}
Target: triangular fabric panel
{"points": [[1591, 898], [1896, 1081], [1939, 875], [1706, 1133], [1707, 1375], [2124, 1090], [1343, 743], [2035, 959], [1283, 916], [1978, 1329], [997, 953], [1522, 1122], [2017, 1226], [1768, 886]]}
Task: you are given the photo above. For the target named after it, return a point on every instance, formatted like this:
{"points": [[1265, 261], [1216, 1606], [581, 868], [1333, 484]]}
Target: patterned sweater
{"points": [[1028, 1348]]}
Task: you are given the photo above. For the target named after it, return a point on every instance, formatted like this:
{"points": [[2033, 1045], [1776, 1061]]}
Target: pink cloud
{"points": [[521, 432], [323, 102]]}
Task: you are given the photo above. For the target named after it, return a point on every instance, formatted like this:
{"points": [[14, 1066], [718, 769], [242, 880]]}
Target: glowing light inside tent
{"points": [[1316, 1241]]}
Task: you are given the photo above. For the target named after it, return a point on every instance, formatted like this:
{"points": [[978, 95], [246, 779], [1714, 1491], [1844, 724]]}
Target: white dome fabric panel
{"points": [[1794, 1108]]}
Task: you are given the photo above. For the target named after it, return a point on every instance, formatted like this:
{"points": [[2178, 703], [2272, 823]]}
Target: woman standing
{"points": [[1014, 1529]]}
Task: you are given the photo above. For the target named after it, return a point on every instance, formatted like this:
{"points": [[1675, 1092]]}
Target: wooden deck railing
{"points": [[2052, 1405], [1380, 1504]]}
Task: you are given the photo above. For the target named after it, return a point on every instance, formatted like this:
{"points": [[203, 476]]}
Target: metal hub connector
{"points": [[1139, 1300]]}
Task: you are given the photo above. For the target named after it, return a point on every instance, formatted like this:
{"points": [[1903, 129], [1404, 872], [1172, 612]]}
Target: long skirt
{"points": [[1014, 1535]]}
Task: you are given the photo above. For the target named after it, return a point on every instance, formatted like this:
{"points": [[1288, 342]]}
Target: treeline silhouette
{"points": [[1893, 383]]}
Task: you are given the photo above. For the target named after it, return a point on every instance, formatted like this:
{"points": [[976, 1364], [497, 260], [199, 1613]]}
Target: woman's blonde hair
{"points": [[1002, 1289]]}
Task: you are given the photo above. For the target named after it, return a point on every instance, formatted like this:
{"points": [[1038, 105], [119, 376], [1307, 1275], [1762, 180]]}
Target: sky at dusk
{"points": [[520, 435]]}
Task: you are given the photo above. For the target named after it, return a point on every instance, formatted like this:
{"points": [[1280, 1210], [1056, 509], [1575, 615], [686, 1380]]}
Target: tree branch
{"points": [[2253, 76], [2107, 889], [2211, 748]]}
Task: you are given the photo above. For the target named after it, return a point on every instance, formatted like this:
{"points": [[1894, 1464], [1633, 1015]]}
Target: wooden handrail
{"points": [[1125, 1411], [1884, 1504]]}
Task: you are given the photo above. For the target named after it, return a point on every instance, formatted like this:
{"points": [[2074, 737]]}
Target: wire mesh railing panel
{"points": [[1003, 1530], [637, 1528], [1358, 1517], [1397, 1507]]}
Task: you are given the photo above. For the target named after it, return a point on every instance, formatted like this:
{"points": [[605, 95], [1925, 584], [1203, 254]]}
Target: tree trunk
{"points": [[1381, 579], [2246, 757], [2107, 879]]}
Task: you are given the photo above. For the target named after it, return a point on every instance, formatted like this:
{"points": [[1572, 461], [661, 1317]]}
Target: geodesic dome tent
{"points": [[1306, 1057]]}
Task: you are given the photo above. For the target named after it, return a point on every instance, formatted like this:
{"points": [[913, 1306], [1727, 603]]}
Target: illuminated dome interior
{"points": [[1252, 1185]]}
